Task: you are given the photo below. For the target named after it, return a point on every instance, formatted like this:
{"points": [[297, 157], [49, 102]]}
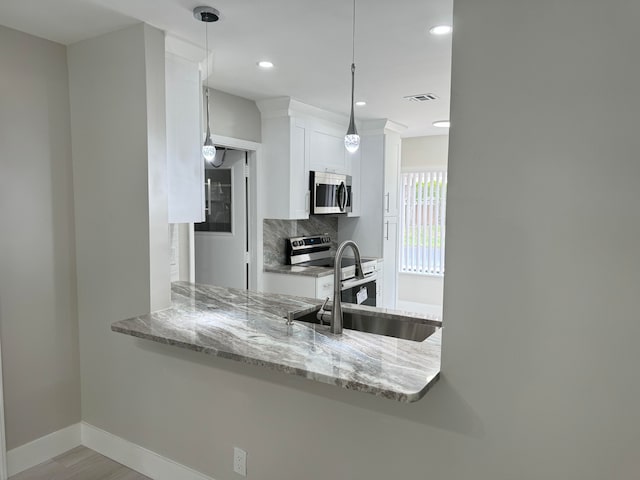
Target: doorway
{"points": [[222, 246]]}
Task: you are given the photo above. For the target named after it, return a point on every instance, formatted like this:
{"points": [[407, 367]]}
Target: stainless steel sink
{"points": [[397, 326]]}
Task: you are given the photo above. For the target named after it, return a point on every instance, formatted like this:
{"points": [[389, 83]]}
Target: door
{"points": [[221, 242]]}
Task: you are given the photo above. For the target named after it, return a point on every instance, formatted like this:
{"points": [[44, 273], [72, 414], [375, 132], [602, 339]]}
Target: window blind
{"points": [[422, 221]]}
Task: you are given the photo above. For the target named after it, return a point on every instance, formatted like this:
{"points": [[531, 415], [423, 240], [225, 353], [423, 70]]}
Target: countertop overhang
{"points": [[250, 327]]}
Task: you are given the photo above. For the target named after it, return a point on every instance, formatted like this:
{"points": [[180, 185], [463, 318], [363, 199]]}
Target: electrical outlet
{"points": [[240, 461]]}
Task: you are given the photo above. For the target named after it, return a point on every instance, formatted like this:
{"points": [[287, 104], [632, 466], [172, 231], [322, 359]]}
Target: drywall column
{"points": [[543, 271], [38, 321], [119, 171]]}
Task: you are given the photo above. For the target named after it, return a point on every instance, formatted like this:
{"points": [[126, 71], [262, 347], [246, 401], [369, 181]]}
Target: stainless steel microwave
{"points": [[330, 193]]}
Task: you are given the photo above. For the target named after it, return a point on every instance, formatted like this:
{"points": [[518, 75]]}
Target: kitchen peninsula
{"points": [[251, 327]]}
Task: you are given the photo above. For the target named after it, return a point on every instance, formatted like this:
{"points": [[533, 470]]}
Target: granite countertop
{"points": [[303, 270], [297, 270], [251, 327]]}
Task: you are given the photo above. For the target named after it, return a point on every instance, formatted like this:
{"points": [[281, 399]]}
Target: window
{"points": [[422, 224]]}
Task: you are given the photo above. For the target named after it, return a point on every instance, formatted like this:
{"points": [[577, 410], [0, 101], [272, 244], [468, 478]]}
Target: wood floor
{"points": [[79, 464]]}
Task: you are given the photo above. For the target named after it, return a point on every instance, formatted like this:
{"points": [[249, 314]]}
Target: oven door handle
{"points": [[369, 277]]}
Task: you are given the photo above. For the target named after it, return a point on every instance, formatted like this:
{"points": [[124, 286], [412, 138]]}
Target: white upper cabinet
{"points": [[391, 199], [356, 181], [298, 138], [185, 166], [326, 149], [376, 232], [285, 179]]}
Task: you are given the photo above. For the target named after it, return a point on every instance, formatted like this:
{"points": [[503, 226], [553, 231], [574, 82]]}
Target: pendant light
{"points": [[207, 15], [352, 139]]}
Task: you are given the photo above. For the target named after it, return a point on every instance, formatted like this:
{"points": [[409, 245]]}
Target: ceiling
{"points": [[309, 41]]}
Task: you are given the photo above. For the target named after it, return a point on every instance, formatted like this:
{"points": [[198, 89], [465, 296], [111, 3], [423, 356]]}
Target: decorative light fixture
{"points": [[352, 139], [442, 124], [265, 64], [361, 103], [207, 15]]}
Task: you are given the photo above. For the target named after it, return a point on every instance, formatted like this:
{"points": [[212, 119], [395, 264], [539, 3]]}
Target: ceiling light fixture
{"points": [[265, 64], [352, 139], [207, 15], [441, 30], [360, 104], [442, 124]]}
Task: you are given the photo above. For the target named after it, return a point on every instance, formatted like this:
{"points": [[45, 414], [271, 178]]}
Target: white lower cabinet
{"points": [[380, 283], [315, 287], [298, 285], [324, 287]]}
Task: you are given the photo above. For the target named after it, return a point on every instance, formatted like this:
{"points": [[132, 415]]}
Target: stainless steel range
{"points": [[315, 251]]}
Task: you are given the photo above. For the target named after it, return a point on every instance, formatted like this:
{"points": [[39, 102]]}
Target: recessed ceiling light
{"points": [[361, 104], [442, 124], [265, 64], [440, 30]]}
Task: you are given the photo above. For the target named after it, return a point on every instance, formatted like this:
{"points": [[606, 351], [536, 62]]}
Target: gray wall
{"points": [[120, 205], [38, 322], [540, 349], [233, 116]]}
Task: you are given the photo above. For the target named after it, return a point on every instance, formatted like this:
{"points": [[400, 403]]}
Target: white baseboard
{"points": [[43, 449], [118, 449], [135, 457]]}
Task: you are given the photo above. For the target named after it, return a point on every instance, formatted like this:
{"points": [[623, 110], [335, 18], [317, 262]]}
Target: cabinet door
{"points": [[380, 283], [390, 255], [326, 150], [391, 174], [288, 284], [324, 287], [299, 171], [185, 165]]}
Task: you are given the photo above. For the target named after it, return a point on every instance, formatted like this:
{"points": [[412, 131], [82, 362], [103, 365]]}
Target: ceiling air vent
{"points": [[421, 97]]}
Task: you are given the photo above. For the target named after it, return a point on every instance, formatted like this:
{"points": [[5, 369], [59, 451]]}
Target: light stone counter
{"points": [[316, 272], [250, 327]]}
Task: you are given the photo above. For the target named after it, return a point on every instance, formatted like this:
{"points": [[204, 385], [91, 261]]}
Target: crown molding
{"points": [[381, 126], [290, 107]]}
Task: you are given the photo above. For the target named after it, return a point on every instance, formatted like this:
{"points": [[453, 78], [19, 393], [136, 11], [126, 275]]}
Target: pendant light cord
{"points": [[353, 37], [353, 56], [206, 41]]}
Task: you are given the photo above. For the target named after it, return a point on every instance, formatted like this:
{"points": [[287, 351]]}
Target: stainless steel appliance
{"points": [[330, 193], [315, 251]]}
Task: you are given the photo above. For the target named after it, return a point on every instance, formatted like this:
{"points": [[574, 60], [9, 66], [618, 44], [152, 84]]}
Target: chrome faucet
{"points": [[336, 310]]}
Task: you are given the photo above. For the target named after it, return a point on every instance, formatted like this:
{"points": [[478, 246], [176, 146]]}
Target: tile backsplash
{"points": [[276, 231]]}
